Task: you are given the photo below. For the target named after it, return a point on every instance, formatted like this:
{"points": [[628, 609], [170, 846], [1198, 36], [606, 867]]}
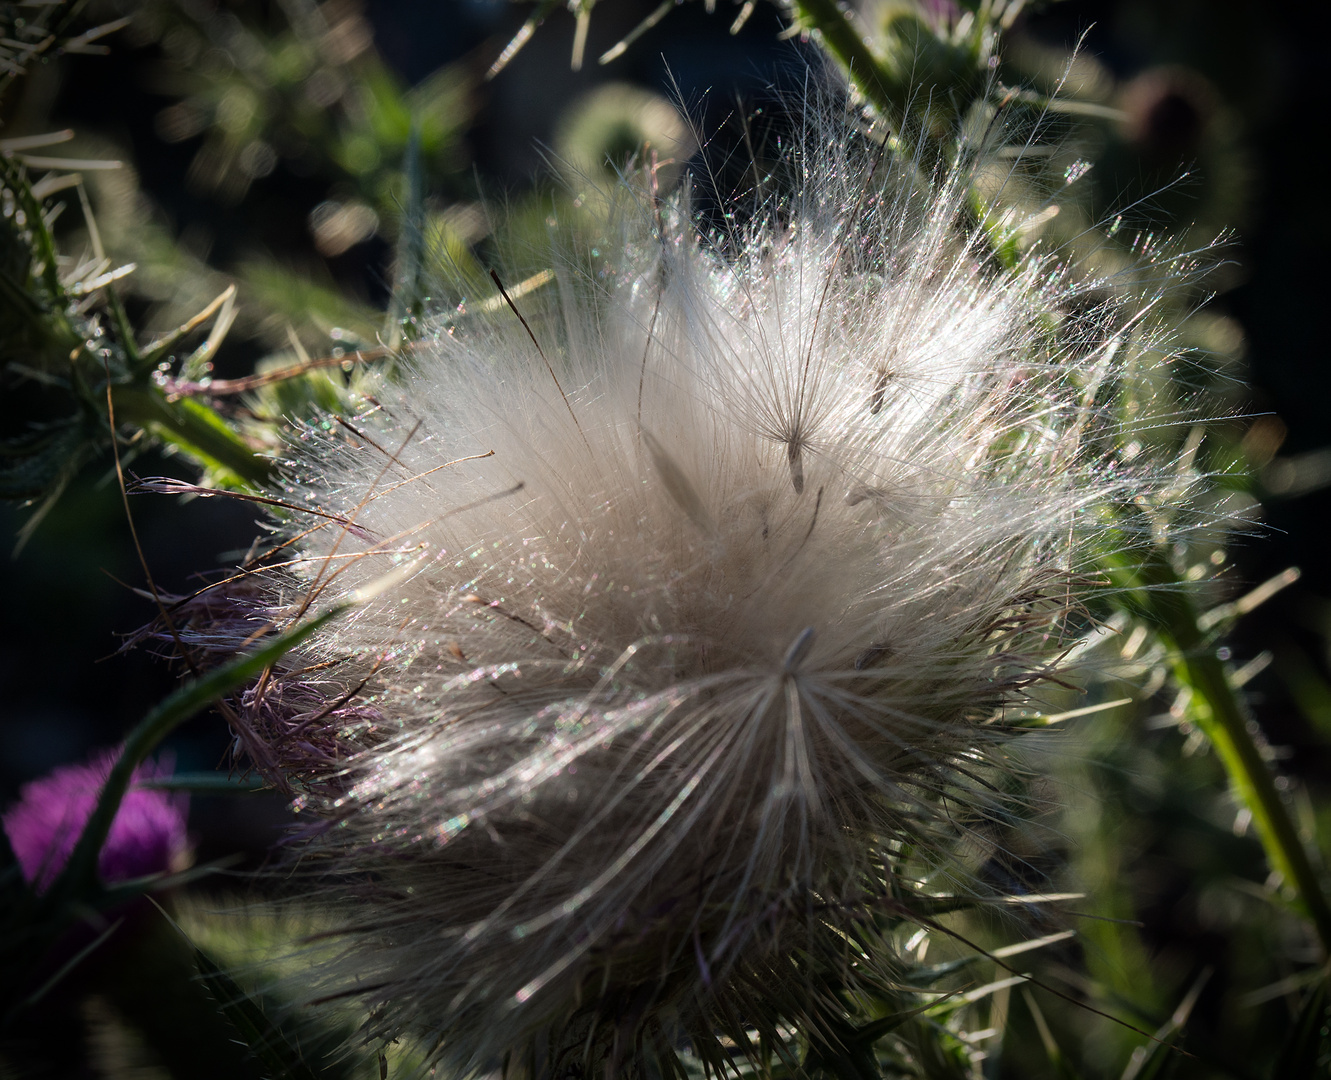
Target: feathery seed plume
{"points": [[728, 550]]}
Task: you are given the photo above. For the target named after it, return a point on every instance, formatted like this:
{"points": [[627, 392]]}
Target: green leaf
{"points": [[1156, 1059], [30, 466], [265, 1039], [1307, 1039], [1053, 1052], [1153, 1061]]}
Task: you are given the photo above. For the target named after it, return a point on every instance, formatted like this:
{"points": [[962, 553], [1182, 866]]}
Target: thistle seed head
{"points": [[724, 554]]}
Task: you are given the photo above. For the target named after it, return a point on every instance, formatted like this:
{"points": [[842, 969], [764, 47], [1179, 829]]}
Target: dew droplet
{"points": [[1076, 171]]}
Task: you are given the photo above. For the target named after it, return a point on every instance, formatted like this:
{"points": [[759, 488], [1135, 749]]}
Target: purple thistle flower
{"points": [[147, 837]]}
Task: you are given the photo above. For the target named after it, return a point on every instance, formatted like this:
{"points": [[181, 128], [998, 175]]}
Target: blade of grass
{"points": [[1298, 1058], [1151, 1061], [69, 965]]}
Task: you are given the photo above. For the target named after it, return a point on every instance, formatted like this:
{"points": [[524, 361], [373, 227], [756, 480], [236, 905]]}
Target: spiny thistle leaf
{"points": [[265, 1039]]}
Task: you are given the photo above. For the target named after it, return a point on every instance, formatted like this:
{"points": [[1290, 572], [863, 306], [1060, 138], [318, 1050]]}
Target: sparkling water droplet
{"points": [[1076, 171]]}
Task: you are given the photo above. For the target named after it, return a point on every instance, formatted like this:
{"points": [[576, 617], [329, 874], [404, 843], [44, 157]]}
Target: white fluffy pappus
{"points": [[717, 567]]}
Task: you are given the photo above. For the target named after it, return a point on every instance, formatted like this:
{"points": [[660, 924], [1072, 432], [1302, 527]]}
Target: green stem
{"points": [[1219, 712], [845, 43], [193, 427], [80, 874]]}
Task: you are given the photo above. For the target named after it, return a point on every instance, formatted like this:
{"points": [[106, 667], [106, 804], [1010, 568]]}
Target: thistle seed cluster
{"points": [[703, 577]]}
